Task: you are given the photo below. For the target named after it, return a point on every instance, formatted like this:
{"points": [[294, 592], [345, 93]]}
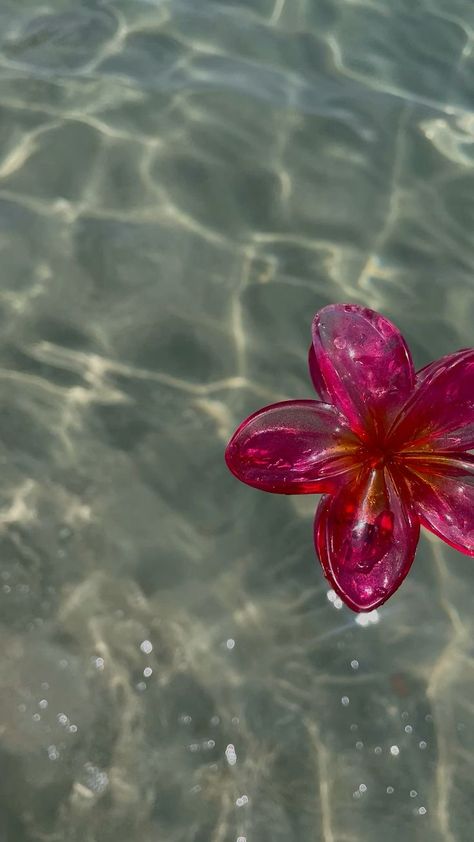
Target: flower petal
{"points": [[316, 376], [443, 495], [293, 447], [364, 364], [366, 537], [422, 373], [440, 413]]}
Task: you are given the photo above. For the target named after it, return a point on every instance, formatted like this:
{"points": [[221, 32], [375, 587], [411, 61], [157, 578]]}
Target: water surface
{"points": [[182, 185]]}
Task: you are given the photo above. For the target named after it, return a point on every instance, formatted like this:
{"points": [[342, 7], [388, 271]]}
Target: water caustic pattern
{"points": [[182, 186]]}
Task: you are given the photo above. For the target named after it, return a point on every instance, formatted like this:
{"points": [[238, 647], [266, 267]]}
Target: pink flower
{"points": [[388, 448]]}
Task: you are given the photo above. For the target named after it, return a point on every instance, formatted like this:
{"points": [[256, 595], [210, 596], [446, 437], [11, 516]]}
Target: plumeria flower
{"points": [[388, 448]]}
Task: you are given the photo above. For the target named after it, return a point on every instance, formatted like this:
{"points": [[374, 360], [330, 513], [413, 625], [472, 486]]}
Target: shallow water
{"points": [[182, 185]]}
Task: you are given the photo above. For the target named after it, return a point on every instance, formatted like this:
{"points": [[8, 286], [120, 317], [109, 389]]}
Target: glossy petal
{"points": [[316, 376], [422, 373], [440, 413], [366, 536], [294, 447], [443, 494], [364, 364]]}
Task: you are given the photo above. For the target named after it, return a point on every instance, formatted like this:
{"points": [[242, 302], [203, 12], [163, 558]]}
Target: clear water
{"points": [[182, 185]]}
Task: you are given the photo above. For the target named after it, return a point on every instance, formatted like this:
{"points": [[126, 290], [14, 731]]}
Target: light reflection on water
{"points": [[182, 186]]}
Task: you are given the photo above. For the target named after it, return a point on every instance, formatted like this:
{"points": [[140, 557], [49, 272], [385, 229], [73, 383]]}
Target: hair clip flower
{"points": [[387, 447]]}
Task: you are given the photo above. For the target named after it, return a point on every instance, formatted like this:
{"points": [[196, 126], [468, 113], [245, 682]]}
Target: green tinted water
{"points": [[182, 185]]}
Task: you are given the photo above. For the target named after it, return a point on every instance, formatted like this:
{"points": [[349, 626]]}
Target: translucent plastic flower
{"points": [[387, 447]]}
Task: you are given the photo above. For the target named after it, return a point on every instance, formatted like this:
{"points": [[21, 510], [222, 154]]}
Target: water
{"points": [[182, 185]]}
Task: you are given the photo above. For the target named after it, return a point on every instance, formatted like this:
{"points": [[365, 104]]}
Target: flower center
{"points": [[379, 456]]}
